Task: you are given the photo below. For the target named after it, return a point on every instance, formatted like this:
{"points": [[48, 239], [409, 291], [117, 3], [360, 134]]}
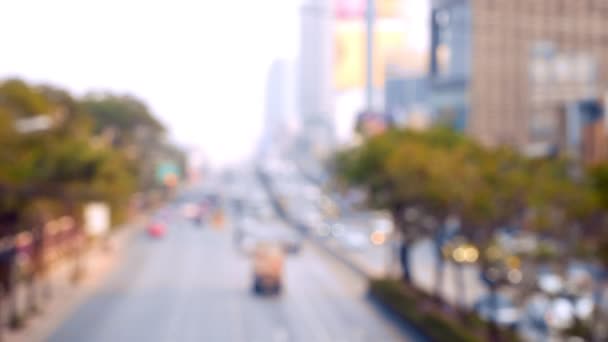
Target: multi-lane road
{"points": [[193, 285]]}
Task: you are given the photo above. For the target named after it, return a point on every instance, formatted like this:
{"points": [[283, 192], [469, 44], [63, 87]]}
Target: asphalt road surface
{"points": [[193, 285]]}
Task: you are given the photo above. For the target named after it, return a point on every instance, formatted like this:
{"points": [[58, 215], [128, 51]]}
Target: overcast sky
{"points": [[200, 64]]}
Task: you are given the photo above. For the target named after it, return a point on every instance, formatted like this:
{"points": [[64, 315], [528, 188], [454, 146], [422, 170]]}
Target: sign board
{"points": [[37, 123], [370, 123], [167, 173], [97, 218], [356, 9]]}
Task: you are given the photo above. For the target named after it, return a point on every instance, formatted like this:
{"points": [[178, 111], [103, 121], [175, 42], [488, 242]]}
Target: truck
{"points": [[268, 260]]}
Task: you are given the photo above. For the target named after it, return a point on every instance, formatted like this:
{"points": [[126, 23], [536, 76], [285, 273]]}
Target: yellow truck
{"points": [[268, 259]]}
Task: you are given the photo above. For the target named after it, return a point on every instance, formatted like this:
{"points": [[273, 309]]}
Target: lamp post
{"points": [[369, 68], [499, 268], [462, 253], [494, 276]]}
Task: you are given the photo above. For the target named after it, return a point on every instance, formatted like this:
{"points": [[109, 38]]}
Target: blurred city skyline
{"points": [[202, 74], [380, 170]]}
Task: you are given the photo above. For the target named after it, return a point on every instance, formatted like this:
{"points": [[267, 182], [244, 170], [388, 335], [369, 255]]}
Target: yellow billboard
{"points": [[393, 45], [350, 54]]}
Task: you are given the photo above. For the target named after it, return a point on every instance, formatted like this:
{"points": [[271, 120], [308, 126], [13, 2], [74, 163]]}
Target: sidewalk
{"points": [[65, 295]]}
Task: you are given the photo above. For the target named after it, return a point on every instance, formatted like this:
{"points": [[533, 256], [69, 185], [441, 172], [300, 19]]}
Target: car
{"points": [[337, 230], [290, 241], [157, 229], [268, 259], [264, 212], [312, 218], [324, 230], [190, 210], [354, 240], [499, 309], [535, 312]]}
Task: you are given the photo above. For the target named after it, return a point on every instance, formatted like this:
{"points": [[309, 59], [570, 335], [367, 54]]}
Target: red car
{"points": [[157, 230]]}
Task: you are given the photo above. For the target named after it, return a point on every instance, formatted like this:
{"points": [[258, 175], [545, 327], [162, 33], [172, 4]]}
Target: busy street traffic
{"points": [[194, 282], [304, 170]]}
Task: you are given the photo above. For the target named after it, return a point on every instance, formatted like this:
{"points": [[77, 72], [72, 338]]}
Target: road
{"points": [[193, 285], [378, 260]]}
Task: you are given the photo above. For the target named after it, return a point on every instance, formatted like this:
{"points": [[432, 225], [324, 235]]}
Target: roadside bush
{"points": [[411, 305]]}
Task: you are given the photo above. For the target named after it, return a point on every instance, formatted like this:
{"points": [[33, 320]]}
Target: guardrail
{"points": [[305, 230], [52, 243], [25, 260]]}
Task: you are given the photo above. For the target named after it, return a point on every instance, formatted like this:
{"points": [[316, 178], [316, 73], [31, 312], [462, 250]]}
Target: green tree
{"points": [[404, 169], [124, 113]]}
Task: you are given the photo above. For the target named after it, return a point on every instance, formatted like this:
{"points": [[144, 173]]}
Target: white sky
{"points": [[200, 64]]}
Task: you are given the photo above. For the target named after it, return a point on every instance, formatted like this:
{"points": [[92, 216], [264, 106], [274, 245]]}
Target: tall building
{"points": [[279, 107], [503, 71], [315, 75]]}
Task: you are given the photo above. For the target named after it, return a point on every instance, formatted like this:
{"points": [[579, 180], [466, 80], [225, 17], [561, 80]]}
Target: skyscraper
{"points": [[279, 107], [315, 73]]}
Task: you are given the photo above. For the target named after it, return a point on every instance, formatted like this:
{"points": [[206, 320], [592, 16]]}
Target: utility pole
{"points": [[369, 86]]}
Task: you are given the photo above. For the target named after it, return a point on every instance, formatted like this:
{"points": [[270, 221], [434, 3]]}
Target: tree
{"points": [[126, 123], [403, 169], [54, 170], [124, 113], [442, 173], [62, 157]]}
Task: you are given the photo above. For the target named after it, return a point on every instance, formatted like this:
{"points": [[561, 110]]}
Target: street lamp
{"points": [[465, 254], [369, 81], [462, 253], [499, 268]]}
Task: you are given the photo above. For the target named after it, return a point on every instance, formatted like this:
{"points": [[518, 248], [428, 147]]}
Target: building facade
{"points": [[503, 71], [279, 108], [406, 100], [315, 100], [583, 131]]}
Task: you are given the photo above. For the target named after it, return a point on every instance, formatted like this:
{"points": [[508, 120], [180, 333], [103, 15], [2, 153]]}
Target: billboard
{"points": [[396, 41], [167, 173], [350, 57], [356, 9], [97, 218], [349, 54], [389, 8]]}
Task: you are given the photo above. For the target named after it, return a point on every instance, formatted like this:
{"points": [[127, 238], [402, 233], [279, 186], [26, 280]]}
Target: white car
{"points": [[499, 309], [355, 240], [190, 210]]}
